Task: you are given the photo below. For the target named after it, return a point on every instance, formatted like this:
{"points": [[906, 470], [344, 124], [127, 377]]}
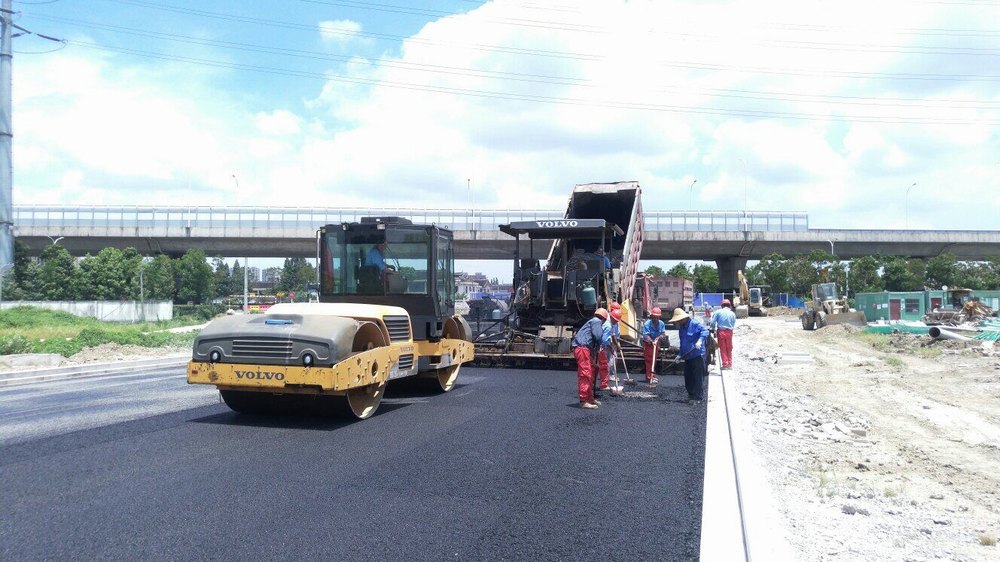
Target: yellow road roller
{"points": [[386, 312]]}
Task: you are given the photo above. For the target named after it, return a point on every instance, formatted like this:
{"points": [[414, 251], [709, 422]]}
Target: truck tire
{"points": [[808, 322], [821, 319]]}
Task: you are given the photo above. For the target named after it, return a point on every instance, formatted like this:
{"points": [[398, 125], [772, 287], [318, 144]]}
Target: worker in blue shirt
{"points": [[694, 339], [376, 257], [610, 333], [586, 345], [653, 330], [723, 322]]}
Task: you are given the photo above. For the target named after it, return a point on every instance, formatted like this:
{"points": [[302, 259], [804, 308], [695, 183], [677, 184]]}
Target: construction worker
{"points": [[723, 322], [693, 335], [653, 331], [609, 342], [586, 345]]}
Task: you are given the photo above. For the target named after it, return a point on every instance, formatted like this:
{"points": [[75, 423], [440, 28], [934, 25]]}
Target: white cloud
{"points": [[339, 32], [798, 103]]}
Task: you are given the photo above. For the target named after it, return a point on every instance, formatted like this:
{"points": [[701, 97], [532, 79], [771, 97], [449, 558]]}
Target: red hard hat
{"points": [[616, 314], [657, 311], [602, 313], [615, 306], [725, 302]]}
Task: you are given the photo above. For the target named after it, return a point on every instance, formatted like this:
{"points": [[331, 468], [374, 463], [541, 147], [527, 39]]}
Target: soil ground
{"points": [[881, 447]]}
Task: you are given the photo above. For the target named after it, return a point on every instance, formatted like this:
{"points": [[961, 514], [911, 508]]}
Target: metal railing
{"points": [[222, 219]]}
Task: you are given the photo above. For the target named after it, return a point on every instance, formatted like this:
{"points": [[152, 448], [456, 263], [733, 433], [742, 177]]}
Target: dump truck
{"points": [[592, 260], [386, 312], [828, 308]]}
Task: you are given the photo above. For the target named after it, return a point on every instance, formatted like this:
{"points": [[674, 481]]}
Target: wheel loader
{"points": [[386, 312], [827, 308]]}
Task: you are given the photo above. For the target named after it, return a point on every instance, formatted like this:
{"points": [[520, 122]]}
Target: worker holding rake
{"points": [[609, 343], [654, 331], [586, 344]]}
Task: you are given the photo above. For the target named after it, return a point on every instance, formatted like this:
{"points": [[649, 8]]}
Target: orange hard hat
{"points": [[657, 311], [615, 306], [616, 314], [602, 313]]}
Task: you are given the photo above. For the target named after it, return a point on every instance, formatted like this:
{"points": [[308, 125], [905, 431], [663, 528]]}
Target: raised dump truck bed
{"points": [[592, 260]]}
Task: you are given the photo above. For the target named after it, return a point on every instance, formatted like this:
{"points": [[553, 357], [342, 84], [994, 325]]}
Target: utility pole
{"points": [[6, 137]]}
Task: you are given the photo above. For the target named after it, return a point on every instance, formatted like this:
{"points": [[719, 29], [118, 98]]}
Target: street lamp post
{"points": [[246, 266], [746, 211], [906, 204], [691, 195]]}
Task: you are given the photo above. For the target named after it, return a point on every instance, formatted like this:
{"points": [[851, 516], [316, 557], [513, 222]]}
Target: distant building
{"points": [[467, 283], [671, 292]]}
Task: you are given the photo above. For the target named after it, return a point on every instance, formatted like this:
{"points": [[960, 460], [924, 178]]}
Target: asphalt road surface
{"points": [[503, 467]]}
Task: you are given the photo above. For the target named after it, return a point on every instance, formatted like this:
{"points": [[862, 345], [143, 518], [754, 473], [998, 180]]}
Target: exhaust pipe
{"points": [[937, 333]]}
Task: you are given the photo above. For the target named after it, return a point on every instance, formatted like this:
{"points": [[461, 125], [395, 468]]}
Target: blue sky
{"points": [[834, 108]]}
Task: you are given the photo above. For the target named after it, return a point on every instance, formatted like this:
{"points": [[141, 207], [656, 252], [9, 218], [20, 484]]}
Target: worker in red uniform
{"points": [[586, 345], [653, 330], [723, 322]]}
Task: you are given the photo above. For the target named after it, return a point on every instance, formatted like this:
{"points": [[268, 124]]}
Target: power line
{"points": [[606, 104], [571, 55], [536, 78], [813, 45]]}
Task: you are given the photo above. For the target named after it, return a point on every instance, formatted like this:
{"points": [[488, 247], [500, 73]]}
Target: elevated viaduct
{"points": [[730, 238]]}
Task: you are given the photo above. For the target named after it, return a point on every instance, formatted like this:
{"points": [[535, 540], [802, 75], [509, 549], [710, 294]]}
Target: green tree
{"points": [[971, 275], [992, 267], [108, 275], [194, 277], [296, 274], [942, 270], [900, 274], [55, 278], [655, 271], [680, 271], [158, 278], [864, 276], [17, 281], [706, 279], [772, 270], [225, 279]]}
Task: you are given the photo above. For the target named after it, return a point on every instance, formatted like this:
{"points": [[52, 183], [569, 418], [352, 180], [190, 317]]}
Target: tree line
{"points": [[114, 274], [867, 274]]}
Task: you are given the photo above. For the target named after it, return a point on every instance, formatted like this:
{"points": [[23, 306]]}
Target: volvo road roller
{"points": [[386, 312]]}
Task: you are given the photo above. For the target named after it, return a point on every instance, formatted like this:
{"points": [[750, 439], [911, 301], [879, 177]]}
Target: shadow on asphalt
{"points": [[312, 422]]}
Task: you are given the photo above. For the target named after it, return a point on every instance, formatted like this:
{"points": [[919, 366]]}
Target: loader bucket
{"points": [[852, 318]]}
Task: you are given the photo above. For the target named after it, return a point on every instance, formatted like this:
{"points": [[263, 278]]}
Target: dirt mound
{"points": [[107, 352]]}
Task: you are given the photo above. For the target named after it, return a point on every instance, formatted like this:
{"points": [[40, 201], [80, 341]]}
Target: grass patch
{"points": [[927, 352], [895, 362], [34, 330], [987, 540], [878, 342]]}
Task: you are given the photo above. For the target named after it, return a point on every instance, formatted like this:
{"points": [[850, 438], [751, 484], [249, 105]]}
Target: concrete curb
{"points": [[739, 518], [13, 378]]}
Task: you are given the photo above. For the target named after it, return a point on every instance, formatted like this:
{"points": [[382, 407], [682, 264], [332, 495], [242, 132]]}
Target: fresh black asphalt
{"points": [[503, 467]]}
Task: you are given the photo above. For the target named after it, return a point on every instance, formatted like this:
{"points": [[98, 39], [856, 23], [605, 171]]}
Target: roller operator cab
{"points": [[386, 312]]}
